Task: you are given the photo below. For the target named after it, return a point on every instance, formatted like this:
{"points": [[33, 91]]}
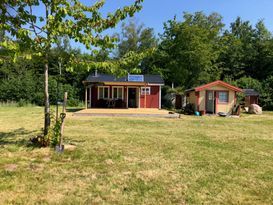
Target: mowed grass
{"points": [[192, 160]]}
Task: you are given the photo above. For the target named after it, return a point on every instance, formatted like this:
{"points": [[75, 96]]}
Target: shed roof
{"points": [[100, 77], [217, 82], [250, 92]]}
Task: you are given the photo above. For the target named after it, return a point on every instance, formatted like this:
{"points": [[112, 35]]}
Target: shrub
{"points": [[23, 103], [74, 103], [189, 109], [53, 136]]}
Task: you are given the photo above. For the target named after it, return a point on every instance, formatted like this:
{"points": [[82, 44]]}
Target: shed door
{"points": [[209, 101]]}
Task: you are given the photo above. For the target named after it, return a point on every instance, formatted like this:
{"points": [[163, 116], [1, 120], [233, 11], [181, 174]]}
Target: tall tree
{"points": [[247, 51], [189, 50], [40, 29], [263, 45], [137, 38], [238, 49]]}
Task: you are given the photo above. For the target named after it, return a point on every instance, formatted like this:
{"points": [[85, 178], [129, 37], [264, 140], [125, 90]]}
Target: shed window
{"points": [[223, 97], [145, 90], [103, 92], [117, 93]]}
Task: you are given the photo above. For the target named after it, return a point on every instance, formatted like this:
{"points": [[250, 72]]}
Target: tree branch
{"points": [[31, 23]]}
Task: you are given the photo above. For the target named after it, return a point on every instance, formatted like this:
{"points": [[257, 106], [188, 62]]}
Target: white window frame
{"points": [[223, 102], [122, 95], [108, 87], [144, 89]]}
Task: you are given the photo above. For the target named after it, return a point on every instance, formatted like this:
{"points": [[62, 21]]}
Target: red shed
{"points": [[131, 91], [251, 97]]}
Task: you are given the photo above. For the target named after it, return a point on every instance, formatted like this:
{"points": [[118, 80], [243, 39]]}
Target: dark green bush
{"points": [[74, 103], [189, 109], [23, 103]]}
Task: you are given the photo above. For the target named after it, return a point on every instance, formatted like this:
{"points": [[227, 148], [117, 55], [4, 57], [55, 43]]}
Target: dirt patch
{"points": [[69, 147], [46, 159], [10, 167], [147, 175], [109, 162]]}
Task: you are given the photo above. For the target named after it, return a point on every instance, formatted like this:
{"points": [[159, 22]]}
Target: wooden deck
{"points": [[131, 112]]}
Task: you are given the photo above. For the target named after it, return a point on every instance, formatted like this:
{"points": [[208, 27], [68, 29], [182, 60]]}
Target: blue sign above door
{"points": [[136, 78]]}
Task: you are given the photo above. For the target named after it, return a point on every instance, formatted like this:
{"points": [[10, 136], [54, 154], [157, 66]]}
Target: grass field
{"points": [[192, 160]]}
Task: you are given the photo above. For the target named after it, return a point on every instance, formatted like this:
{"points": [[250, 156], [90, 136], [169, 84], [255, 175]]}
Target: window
{"points": [[223, 97], [210, 97], [145, 90], [117, 93], [103, 92]]}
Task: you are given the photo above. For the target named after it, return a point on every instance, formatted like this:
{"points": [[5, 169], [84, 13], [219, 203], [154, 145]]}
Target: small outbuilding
{"points": [[251, 97], [131, 91], [214, 97]]}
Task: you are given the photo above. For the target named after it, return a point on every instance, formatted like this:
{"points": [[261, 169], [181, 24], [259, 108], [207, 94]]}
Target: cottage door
{"points": [[132, 98], [209, 101]]}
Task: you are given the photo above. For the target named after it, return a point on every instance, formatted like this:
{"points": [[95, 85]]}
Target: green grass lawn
{"points": [[192, 160]]}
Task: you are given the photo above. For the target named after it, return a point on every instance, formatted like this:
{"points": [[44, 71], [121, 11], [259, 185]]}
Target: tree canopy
{"points": [[39, 31], [191, 50]]}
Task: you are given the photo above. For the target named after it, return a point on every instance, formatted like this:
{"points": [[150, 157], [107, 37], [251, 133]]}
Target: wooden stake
{"points": [[63, 115]]}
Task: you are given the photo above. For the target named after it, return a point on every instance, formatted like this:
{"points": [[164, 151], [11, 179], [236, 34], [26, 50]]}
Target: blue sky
{"points": [[156, 12]]}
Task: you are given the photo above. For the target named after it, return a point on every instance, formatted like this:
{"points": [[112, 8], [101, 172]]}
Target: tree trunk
{"points": [[46, 96]]}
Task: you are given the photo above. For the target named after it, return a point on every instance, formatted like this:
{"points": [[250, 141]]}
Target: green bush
{"points": [[23, 103], [52, 138], [74, 103]]}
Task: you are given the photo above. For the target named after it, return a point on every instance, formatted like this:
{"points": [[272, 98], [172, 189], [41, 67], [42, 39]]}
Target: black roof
{"points": [[92, 78], [250, 92]]}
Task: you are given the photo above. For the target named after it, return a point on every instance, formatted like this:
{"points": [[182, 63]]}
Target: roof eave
{"points": [[218, 82]]}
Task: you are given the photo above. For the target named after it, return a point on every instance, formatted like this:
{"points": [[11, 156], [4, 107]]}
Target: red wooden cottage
{"points": [[132, 91]]}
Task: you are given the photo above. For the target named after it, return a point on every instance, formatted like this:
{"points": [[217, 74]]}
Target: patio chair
{"points": [[111, 103]]}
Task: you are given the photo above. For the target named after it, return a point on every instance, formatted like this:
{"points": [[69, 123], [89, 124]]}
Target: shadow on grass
{"points": [[73, 109], [18, 137]]}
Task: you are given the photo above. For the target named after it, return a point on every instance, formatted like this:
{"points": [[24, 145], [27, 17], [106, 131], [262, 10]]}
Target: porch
{"points": [[109, 95], [130, 112]]}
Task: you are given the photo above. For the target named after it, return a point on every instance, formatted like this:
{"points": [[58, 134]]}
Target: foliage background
{"points": [[188, 53]]}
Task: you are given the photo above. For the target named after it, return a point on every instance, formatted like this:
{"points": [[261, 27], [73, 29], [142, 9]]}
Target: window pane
{"points": [[210, 96], [106, 92], [115, 93], [142, 91], [223, 97], [119, 93], [100, 93], [146, 91]]}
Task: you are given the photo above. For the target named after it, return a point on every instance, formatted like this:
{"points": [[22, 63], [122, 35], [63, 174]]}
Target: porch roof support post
{"points": [[127, 97], [197, 100], [159, 98], [235, 98], [145, 96], [139, 93], [85, 97], [90, 92]]}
